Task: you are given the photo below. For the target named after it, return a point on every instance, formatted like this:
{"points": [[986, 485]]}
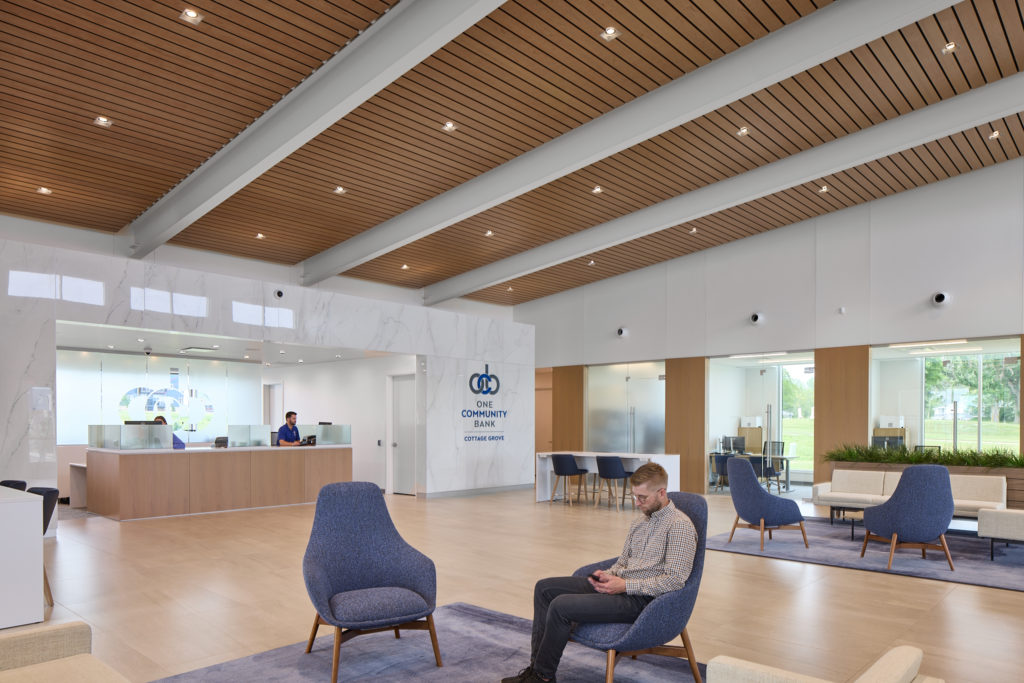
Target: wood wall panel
{"points": [[219, 480], [686, 381], [102, 494], [153, 484], [840, 402], [326, 466], [278, 477], [568, 388]]}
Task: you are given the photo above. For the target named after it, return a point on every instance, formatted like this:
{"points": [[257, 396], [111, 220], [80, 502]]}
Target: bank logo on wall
{"points": [[484, 382], [484, 421]]}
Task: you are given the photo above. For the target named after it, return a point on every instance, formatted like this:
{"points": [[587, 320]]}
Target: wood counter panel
{"points": [[278, 477], [101, 483], [219, 480], [326, 466], [153, 484]]}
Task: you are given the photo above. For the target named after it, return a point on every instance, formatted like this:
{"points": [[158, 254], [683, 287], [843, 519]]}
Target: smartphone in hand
{"points": [[595, 577]]}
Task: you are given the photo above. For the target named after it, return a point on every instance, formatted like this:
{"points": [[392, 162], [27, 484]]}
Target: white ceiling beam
{"points": [[819, 37], [398, 41], [974, 108]]}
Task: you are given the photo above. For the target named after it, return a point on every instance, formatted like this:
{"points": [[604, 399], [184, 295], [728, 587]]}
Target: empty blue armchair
{"points": [[756, 507], [564, 466], [916, 515], [610, 471], [360, 574], [664, 618]]}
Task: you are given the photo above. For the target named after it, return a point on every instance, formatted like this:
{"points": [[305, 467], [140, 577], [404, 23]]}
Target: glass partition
{"points": [[249, 435], [626, 408], [333, 435], [130, 437]]}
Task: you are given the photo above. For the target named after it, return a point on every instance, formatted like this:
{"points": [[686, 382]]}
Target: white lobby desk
{"points": [[21, 571], [588, 461]]}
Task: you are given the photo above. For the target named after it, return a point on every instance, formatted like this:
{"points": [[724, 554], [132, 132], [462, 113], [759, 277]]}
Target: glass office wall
{"points": [[626, 408], [797, 423]]}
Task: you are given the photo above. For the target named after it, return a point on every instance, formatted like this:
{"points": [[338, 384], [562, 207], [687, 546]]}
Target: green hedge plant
{"points": [[994, 457]]}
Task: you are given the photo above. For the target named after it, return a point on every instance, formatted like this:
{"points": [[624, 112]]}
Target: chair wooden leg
{"points": [[734, 528], [397, 634], [565, 490], [433, 638], [892, 550], [690, 656], [46, 589], [312, 634], [614, 485], [769, 534], [867, 535], [924, 553], [945, 549], [337, 653], [762, 534], [554, 489], [609, 670], [598, 484], [804, 532]]}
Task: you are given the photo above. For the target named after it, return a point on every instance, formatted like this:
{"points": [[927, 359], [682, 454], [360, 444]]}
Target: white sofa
{"points": [[898, 665], [865, 488], [50, 653]]}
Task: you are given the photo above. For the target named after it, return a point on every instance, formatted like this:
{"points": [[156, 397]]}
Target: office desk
{"points": [[588, 461], [21, 572], [785, 458]]}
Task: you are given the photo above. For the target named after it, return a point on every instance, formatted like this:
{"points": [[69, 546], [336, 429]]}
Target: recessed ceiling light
{"points": [[44, 190], [823, 189], [693, 231], [300, 360], [509, 288], [911, 345], [590, 262], [405, 266], [103, 122], [759, 355], [340, 190], [246, 357], [191, 16], [140, 340], [449, 127], [260, 236], [610, 33], [993, 135], [944, 352], [337, 355], [216, 346], [742, 131], [597, 189], [489, 233], [181, 351], [110, 346], [949, 48], [267, 364], [281, 351]]}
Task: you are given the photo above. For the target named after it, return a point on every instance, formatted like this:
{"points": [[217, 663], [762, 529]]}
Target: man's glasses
{"points": [[643, 499]]}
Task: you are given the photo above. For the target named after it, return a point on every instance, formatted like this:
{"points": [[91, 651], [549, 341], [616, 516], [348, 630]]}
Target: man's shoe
{"points": [[521, 677]]}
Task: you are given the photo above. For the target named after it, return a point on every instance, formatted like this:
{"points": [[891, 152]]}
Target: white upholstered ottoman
{"points": [[1000, 525]]}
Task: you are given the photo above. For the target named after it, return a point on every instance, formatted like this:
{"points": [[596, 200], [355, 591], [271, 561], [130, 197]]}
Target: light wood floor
{"points": [[169, 595]]}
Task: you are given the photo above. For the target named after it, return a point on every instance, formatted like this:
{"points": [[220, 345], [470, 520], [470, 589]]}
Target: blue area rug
{"points": [[831, 545], [476, 645]]}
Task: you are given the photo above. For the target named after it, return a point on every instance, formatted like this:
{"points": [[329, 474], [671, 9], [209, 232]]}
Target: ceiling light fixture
{"points": [[216, 346], [300, 360], [610, 34], [281, 351], [917, 345], [823, 189], [140, 340], [946, 352], [449, 127], [103, 122], [260, 236], [597, 190], [337, 355], [489, 233], [993, 135], [949, 48], [693, 231], [110, 346], [509, 288], [191, 16], [591, 262], [742, 131], [44, 190], [246, 357], [405, 266], [759, 355], [340, 190], [181, 351]]}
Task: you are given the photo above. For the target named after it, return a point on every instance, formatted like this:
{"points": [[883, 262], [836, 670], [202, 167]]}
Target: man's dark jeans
{"points": [[561, 601]]}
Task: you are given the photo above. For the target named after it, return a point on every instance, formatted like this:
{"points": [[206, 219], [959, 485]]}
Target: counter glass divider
{"points": [[130, 437]]}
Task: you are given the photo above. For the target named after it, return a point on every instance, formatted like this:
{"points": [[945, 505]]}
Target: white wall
{"points": [[347, 392], [880, 261]]}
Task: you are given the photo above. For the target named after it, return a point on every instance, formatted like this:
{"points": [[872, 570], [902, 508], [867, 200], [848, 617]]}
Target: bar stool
{"points": [[610, 471], [565, 466]]}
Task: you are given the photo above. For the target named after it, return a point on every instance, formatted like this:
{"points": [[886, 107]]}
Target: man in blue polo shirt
{"points": [[288, 434]]}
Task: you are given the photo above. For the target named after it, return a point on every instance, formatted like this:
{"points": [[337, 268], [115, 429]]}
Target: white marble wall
{"points": [[318, 317]]}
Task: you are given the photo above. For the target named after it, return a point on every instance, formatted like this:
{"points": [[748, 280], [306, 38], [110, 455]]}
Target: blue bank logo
{"points": [[484, 382]]}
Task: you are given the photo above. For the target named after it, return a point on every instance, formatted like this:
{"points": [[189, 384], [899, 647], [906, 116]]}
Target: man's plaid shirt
{"points": [[658, 554]]}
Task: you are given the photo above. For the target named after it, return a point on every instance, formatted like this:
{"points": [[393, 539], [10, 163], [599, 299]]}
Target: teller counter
{"points": [[127, 484]]}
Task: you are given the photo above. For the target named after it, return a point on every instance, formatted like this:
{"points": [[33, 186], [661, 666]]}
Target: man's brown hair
{"points": [[650, 472]]}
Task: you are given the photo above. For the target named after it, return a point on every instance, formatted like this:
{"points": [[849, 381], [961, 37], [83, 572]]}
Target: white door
{"points": [[403, 442], [273, 410]]}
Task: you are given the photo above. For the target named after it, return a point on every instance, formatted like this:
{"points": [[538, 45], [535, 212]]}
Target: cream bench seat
{"points": [[52, 652], [1000, 525], [898, 665], [865, 488]]}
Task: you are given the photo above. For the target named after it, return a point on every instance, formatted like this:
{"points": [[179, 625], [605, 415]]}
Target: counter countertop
{"points": [[209, 449]]}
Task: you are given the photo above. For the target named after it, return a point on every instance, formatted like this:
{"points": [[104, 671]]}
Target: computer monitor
{"points": [[142, 422], [887, 442], [325, 423], [734, 444]]}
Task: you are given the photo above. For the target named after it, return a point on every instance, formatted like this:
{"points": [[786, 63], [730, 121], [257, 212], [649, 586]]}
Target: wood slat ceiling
{"points": [[176, 93], [950, 156], [527, 73], [901, 72]]}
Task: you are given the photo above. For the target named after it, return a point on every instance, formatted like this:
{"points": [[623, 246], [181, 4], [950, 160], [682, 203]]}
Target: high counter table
{"points": [[133, 484], [21, 571], [588, 461]]}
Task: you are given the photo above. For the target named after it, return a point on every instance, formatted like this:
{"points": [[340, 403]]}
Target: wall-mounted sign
{"points": [[484, 421]]}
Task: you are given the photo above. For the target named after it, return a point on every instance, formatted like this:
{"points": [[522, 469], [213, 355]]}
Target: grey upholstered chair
{"points": [[664, 618], [916, 515], [756, 507], [361, 574]]}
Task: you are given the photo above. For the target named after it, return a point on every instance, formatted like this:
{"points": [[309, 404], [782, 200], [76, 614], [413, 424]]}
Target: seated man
{"points": [[656, 558]]}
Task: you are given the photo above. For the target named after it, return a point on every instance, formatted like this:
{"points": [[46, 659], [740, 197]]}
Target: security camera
{"points": [[279, 294], [148, 350], [622, 332], [940, 299], [756, 318]]}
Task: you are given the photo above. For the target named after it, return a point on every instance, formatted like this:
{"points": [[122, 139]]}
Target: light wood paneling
{"points": [[101, 483], [278, 477], [326, 466], [840, 402], [686, 381], [153, 484], [219, 480], [568, 388]]}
